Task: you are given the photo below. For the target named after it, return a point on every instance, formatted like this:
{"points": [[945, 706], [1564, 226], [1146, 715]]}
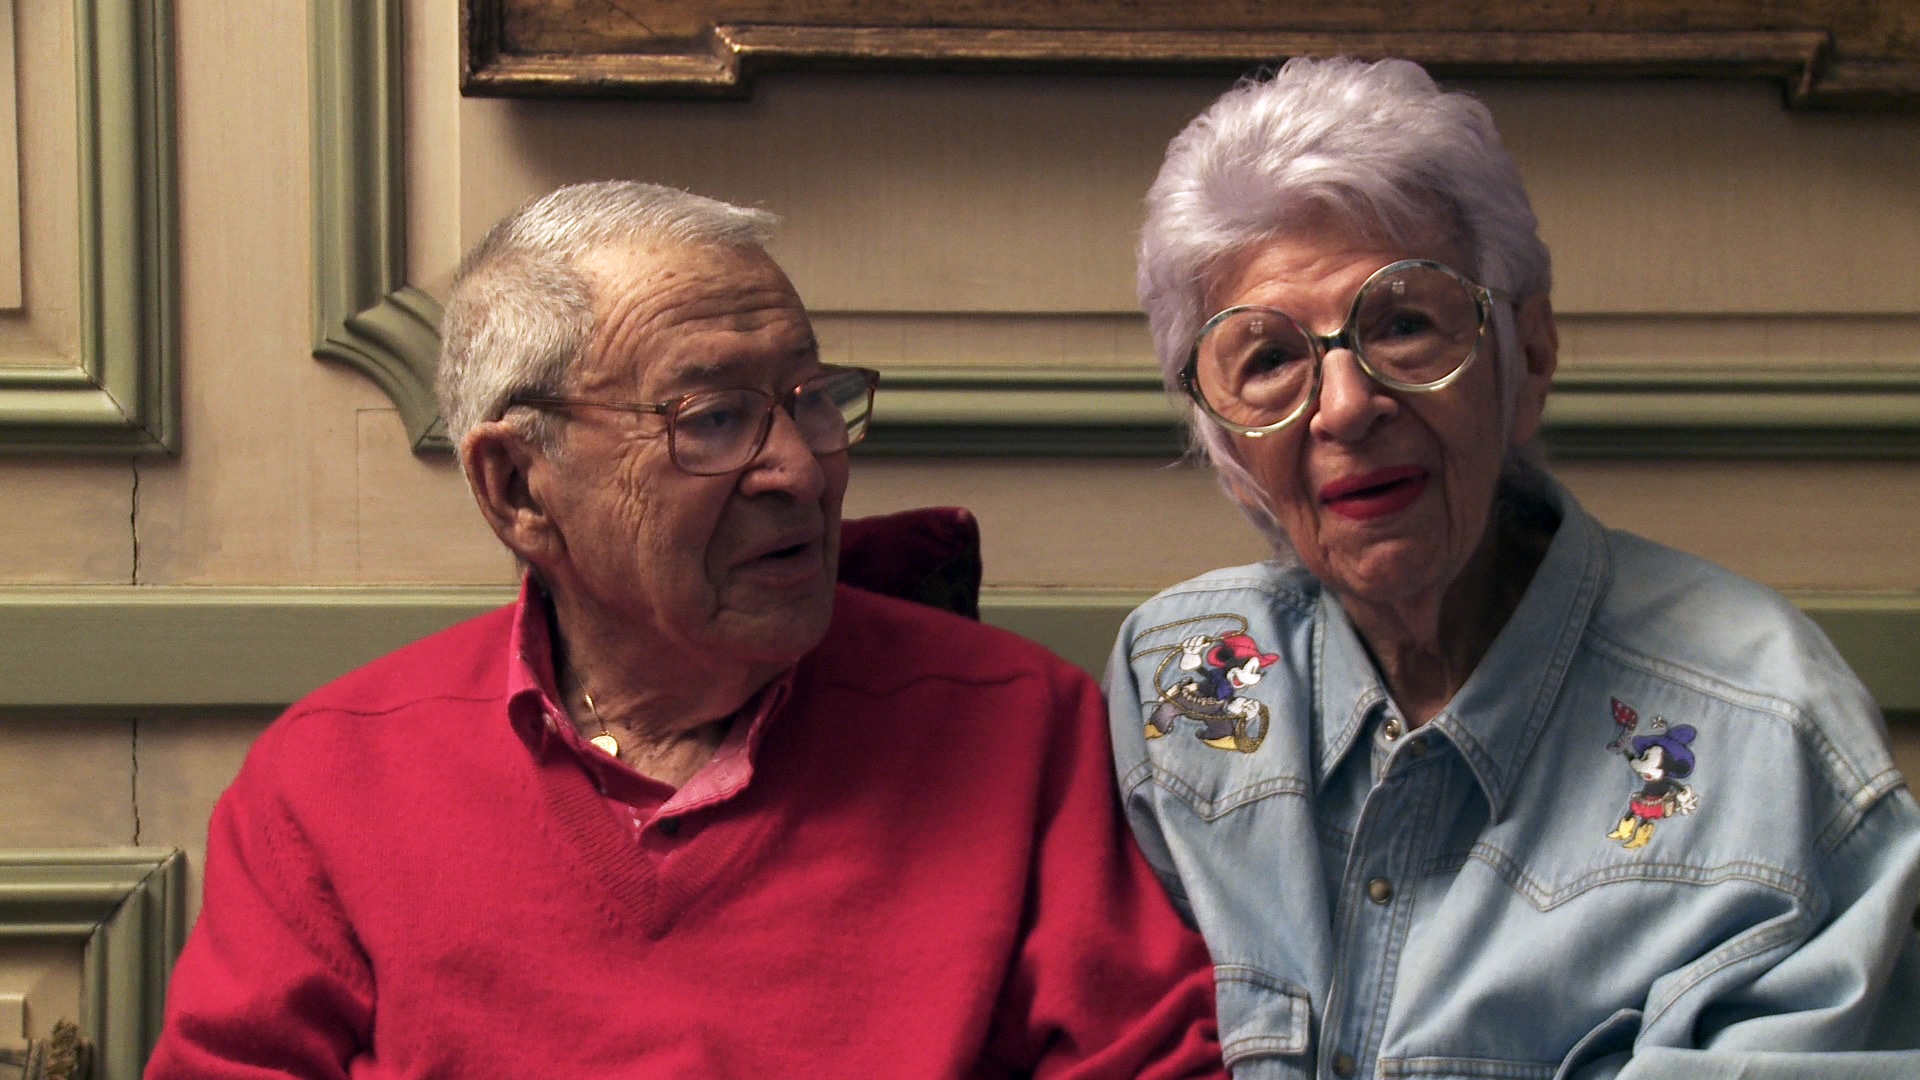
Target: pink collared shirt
{"points": [[649, 809]]}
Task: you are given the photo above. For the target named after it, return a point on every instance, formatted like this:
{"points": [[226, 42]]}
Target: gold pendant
{"points": [[608, 743]]}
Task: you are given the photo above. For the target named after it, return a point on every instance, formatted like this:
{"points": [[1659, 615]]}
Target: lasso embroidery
{"points": [[1213, 670]]}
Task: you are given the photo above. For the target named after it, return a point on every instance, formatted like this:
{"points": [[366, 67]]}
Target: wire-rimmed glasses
{"points": [[710, 432], [1415, 326]]}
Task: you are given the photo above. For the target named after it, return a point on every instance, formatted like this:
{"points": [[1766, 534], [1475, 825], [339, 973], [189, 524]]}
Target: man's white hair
{"points": [[521, 311]]}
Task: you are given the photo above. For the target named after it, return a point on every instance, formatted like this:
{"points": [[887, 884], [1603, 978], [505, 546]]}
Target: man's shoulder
{"points": [[376, 724], [885, 639], [466, 660]]}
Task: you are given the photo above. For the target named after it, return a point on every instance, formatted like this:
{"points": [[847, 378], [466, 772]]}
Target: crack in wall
{"points": [[133, 578], [133, 523], [135, 782]]}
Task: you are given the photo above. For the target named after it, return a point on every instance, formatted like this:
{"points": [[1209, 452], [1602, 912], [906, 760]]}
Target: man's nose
{"points": [[785, 462]]}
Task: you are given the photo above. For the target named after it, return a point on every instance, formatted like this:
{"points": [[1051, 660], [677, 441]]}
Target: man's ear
{"points": [[1539, 341], [506, 473]]}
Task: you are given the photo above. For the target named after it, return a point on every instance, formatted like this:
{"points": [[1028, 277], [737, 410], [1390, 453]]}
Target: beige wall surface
{"points": [[977, 219], [928, 220]]}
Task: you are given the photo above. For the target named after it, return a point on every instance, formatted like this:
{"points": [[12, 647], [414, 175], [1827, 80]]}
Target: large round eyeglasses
{"points": [[710, 432], [1414, 326]]}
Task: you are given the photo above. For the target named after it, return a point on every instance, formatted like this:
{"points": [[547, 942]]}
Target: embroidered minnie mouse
{"points": [[1661, 759]]}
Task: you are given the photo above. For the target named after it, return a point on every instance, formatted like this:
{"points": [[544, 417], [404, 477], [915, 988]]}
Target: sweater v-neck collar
{"points": [[654, 880]]}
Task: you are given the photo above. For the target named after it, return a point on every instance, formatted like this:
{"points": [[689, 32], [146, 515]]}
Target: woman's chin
{"points": [[1387, 573]]}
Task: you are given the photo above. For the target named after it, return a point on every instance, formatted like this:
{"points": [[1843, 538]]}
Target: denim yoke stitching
{"points": [[1445, 1068]]}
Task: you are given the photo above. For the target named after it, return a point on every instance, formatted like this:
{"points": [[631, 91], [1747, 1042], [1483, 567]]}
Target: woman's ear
{"points": [[506, 471], [1539, 341]]}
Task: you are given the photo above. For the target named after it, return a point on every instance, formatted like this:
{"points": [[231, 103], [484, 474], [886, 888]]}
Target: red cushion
{"points": [[930, 556]]}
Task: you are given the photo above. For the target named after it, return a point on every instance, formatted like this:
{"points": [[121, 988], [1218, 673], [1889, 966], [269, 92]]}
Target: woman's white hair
{"points": [[1374, 146], [521, 310]]}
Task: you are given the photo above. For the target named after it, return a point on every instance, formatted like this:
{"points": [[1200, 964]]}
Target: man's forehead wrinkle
{"points": [[644, 296]]}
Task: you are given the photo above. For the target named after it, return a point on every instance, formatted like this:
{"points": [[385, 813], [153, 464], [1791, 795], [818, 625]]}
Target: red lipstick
{"points": [[1375, 494]]}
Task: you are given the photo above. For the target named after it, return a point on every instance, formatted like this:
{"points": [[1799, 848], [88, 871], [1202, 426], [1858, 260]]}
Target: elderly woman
{"points": [[1462, 783]]}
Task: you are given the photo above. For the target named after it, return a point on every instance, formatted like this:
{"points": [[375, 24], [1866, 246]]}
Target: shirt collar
{"points": [[531, 686], [536, 716], [1497, 716]]}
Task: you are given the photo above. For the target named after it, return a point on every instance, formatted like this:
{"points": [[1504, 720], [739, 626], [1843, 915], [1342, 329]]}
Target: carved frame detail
{"points": [[122, 396], [1824, 53], [127, 907]]}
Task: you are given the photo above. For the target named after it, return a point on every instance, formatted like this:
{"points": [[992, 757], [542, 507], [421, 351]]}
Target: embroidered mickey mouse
{"points": [[1661, 759], [1214, 670]]}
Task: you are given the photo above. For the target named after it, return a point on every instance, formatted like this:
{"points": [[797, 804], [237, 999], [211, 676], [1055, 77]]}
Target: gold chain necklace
{"points": [[605, 739]]}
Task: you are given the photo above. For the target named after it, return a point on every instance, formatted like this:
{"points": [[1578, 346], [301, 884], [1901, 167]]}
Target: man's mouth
{"points": [[795, 554], [1375, 494]]}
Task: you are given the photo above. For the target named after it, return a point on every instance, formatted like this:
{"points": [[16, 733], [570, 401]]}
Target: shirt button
{"points": [[1343, 1065], [1391, 729], [1379, 890], [1417, 748]]}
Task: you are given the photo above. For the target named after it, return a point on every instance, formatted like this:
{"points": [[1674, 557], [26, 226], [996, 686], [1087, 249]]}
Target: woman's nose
{"points": [[1350, 401]]}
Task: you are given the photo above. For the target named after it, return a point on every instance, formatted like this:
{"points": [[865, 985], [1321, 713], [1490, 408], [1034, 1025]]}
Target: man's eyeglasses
{"points": [[1414, 326], [710, 432]]}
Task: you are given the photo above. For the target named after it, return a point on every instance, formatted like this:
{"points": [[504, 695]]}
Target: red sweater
{"points": [[926, 876]]}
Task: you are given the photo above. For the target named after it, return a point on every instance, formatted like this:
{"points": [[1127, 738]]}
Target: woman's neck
{"points": [[1426, 649]]}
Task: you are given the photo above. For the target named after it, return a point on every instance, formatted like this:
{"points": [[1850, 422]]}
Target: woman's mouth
{"points": [[1375, 494]]}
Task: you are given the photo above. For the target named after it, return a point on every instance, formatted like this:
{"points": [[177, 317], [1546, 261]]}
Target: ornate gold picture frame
{"points": [[1824, 53]]}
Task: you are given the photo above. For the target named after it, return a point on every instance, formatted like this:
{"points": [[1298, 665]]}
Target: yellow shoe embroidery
{"points": [[1640, 837], [1623, 830]]}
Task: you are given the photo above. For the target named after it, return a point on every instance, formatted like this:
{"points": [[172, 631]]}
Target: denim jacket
{"points": [[1656, 833]]}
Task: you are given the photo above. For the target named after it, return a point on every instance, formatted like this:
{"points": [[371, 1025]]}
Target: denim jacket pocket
{"points": [[1261, 1015]]}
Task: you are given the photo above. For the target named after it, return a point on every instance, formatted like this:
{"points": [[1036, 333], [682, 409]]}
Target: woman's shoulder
{"points": [[1270, 584], [1692, 622], [1683, 604]]}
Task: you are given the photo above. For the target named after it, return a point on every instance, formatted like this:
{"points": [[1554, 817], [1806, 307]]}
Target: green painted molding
{"points": [[1589, 414], [206, 648], [368, 318], [364, 313], [151, 650], [127, 907], [122, 394]]}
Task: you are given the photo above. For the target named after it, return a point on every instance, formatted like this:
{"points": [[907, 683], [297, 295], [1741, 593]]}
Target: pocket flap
{"points": [[1260, 1015]]}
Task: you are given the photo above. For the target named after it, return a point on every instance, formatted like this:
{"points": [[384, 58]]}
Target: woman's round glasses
{"points": [[710, 432], [1414, 326]]}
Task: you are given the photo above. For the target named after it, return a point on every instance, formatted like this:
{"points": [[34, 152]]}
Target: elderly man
{"points": [[685, 809]]}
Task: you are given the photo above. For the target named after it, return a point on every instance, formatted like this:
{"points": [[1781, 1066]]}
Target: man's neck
{"points": [[665, 721]]}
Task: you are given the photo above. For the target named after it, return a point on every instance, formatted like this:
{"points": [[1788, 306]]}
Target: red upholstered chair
{"points": [[930, 556]]}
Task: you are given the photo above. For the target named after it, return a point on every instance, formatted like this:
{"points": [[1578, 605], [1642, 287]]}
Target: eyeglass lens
{"points": [[1415, 325], [721, 430]]}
